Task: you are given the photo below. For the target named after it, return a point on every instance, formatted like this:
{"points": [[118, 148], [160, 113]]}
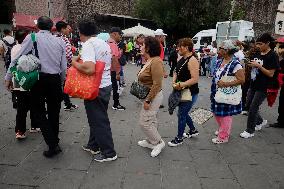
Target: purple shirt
{"points": [[51, 51]]}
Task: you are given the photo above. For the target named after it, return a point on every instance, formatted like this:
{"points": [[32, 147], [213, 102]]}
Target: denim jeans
{"points": [[183, 116]]}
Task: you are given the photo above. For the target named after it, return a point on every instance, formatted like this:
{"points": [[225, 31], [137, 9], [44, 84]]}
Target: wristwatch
{"points": [[148, 101]]}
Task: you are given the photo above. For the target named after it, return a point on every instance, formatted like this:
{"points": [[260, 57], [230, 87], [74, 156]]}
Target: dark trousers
{"points": [[66, 100], [100, 131], [245, 88], [23, 106], [115, 94], [47, 90], [173, 67], [254, 100], [281, 107], [204, 61]]}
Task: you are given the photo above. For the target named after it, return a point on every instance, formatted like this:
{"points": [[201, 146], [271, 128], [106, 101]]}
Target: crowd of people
{"points": [[256, 67]]}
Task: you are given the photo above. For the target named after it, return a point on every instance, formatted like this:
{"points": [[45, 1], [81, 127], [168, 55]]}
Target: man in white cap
{"points": [[161, 36]]}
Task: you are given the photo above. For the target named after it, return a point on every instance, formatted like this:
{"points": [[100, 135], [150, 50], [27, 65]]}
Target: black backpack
{"points": [[7, 55], [123, 60]]}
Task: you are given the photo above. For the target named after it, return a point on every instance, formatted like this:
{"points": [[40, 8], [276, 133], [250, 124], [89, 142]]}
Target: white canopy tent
{"points": [[136, 30]]}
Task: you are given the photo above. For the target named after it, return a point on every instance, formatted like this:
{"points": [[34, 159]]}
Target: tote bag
{"points": [[229, 95], [84, 86]]}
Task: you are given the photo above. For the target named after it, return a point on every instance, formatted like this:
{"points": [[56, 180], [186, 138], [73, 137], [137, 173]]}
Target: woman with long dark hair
{"points": [[263, 66]]}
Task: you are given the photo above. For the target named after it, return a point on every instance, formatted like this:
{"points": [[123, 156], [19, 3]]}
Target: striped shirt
{"points": [[69, 53]]}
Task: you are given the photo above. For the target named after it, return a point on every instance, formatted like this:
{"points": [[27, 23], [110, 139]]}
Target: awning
{"points": [[22, 21]]}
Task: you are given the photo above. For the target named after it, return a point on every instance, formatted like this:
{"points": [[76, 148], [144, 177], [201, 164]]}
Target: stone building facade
{"points": [[51, 8], [261, 12], [80, 9]]}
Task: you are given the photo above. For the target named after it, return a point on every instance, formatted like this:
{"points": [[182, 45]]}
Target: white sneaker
{"points": [[245, 134], [216, 133], [258, 127], [158, 148], [145, 144], [244, 112]]}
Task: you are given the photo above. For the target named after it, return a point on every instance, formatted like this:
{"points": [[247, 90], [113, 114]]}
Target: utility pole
{"points": [[233, 4]]}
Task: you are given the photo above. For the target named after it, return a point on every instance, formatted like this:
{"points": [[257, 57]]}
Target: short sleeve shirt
{"points": [[260, 82], [114, 48], [95, 50]]}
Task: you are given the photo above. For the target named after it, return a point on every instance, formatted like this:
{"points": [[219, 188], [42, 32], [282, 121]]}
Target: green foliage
{"points": [[182, 18]]}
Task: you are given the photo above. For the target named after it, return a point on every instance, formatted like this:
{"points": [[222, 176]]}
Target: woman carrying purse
{"points": [[185, 79], [223, 112]]}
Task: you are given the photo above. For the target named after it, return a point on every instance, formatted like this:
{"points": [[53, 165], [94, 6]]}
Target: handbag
{"points": [[26, 79], [137, 89], [185, 95], [84, 86], [229, 95]]}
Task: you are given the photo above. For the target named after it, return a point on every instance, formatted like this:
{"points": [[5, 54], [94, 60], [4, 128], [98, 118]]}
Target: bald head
{"points": [[44, 23]]}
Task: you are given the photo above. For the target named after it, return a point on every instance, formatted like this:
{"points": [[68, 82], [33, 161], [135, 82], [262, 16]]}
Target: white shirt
{"points": [[9, 39], [240, 55], [221, 69], [95, 49]]}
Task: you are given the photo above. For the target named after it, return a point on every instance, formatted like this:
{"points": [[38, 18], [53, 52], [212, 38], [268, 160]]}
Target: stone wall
{"points": [[58, 8], [81, 9], [32, 7], [261, 12]]}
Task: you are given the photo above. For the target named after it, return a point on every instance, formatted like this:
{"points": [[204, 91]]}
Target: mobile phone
{"points": [[247, 61]]}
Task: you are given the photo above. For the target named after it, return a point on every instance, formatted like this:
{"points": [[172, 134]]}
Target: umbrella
{"points": [[103, 36]]}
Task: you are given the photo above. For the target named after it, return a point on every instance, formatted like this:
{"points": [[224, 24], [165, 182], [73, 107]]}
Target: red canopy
{"points": [[22, 21]]}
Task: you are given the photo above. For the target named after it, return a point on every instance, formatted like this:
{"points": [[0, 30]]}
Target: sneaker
{"points": [[161, 106], [219, 141], [175, 142], [118, 107], [216, 133], [158, 148], [244, 112], [102, 158], [35, 130], [93, 151], [20, 135], [70, 108], [246, 134], [190, 134], [145, 144], [259, 127]]}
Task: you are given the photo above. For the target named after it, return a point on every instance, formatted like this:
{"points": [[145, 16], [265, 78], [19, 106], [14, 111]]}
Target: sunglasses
{"points": [[220, 48]]}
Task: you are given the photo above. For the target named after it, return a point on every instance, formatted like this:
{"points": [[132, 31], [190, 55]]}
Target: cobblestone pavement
{"points": [[257, 163]]}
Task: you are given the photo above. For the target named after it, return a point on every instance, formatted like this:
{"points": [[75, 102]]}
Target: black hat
{"points": [[116, 29]]}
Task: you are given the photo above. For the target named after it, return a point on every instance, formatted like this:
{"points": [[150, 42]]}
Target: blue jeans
{"points": [[183, 116]]}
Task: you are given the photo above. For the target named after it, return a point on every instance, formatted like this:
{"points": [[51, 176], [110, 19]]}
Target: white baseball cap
{"points": [[160, 32]]}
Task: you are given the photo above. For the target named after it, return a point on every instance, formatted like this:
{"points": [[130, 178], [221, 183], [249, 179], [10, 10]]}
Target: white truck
{"points": [[240, 30], [204, 36]]}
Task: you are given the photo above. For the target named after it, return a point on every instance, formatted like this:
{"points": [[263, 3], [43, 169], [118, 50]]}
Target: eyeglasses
{"points": [[220, 48]]}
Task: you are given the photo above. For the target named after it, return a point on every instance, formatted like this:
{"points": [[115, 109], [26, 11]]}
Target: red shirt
{"points": [[115, 53], [162, 55]]}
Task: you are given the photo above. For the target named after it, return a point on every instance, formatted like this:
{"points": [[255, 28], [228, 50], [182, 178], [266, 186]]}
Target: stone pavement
{"points": [[256, 163]]}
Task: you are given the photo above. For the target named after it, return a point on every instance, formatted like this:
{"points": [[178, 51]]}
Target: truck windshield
{"points": [[207, 40], [195, 40]]}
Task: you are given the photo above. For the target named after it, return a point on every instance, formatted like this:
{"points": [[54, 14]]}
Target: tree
{"points": [[181, 18]]}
